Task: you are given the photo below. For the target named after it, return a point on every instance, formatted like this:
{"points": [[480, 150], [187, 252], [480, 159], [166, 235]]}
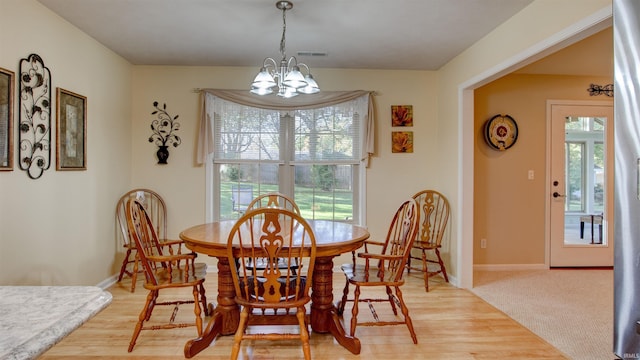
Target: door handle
{"points": [[556, 194]]}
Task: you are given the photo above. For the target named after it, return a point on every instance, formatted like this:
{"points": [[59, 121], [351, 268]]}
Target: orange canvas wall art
{"points": [[401, 115], [402, 142]]}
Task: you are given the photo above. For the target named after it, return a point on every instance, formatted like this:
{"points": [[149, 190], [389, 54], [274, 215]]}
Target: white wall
{"points": [[59, 228]]}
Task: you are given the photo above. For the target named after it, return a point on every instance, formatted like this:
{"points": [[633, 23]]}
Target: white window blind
{"points": [[312, 155]]}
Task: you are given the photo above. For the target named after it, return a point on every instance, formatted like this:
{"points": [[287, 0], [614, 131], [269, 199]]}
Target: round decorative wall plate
{"points": [[501, 132]]}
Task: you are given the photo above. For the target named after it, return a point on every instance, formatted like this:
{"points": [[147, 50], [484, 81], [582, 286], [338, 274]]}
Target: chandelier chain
{"points": [[284, 30]]}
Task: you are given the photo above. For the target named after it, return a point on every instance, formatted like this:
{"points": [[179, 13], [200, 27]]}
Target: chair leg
{"points": [[144, 315], [151, 303], [203, 301], [237, 338], [304, 332], [123, 269], [354, 311], [125, 262], [343, 302], [442, 268], [390, 296], [405, 313], [425, 270], [197, 310], [134, 274]]}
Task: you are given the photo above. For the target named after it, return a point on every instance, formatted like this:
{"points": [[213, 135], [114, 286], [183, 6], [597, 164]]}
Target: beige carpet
{"points": [[570, 309]]}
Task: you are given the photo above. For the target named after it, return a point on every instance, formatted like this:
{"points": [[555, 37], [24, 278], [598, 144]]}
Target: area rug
{"points": [[571, 309]]}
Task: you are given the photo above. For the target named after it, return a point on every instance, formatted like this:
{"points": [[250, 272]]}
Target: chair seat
{"points": [[357, 275], [179, 276], [292, 284], [261, 264], [425, 245]]}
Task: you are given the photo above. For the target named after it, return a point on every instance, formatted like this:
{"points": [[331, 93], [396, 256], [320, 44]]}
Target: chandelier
{"points": [[286, 76]]}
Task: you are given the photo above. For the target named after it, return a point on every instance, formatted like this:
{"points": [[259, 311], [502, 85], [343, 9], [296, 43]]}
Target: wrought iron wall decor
{"points": [[595, 90], [35, 116], [163, 128]]}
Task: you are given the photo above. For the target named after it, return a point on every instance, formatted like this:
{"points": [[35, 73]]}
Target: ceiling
{"points": [[592, 56], [363, 34]]}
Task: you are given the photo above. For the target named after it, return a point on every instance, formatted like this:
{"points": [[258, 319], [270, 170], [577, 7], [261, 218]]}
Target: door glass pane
{"points": [[575, 189], [598, 178], [585, 180]]}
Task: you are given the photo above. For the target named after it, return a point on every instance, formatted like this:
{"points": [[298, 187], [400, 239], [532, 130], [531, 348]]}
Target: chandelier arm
{"points": [[270, 62], [295, 62], [305, 66]]}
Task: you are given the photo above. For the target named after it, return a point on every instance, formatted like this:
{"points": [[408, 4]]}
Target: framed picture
{"points": [[71, 131], [6, 119], [401, 115], [402, 141]]}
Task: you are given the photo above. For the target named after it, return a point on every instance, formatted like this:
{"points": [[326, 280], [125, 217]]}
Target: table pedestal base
{"points": [[226, 315], [324, 316]]}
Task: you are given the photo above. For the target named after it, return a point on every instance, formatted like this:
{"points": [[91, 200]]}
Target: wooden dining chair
{"points": [[274, 200], [157, 212], [164, 271], [434, 216], [272, 295], [383, 269]]}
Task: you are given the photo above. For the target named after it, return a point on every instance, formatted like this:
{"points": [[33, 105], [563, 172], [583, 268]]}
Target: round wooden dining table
{"points": [[332, 239]]}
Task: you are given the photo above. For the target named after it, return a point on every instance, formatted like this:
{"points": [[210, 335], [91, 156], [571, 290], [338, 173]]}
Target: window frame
{"points": [[286, 180]]}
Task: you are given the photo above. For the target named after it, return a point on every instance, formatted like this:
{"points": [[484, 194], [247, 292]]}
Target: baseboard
{"points": [[108, 282], [509, 267]]}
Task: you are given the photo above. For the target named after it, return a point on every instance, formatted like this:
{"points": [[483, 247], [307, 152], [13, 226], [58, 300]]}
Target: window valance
{"points": [[244, 97]]}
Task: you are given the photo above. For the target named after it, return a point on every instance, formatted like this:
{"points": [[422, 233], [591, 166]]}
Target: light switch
{"points": [[530, 175]]}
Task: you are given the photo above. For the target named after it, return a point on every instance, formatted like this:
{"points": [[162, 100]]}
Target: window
{"points": [[312, 155]]}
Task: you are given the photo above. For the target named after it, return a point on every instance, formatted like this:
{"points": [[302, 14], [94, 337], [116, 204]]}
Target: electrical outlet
{"points": [[483, 243], [530, 175]]}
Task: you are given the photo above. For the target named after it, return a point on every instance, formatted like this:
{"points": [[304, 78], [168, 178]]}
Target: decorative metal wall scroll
{"points": [[163, 128], [595, 90], [35, 116]]}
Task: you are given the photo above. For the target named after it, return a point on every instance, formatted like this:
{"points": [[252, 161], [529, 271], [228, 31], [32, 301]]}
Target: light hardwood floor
{"points": [[451, 323]]}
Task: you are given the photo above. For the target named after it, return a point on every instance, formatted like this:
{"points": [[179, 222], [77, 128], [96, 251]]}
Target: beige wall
{"points": [[529, 35], [390, 179], [59, 229], [509, 209]]}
